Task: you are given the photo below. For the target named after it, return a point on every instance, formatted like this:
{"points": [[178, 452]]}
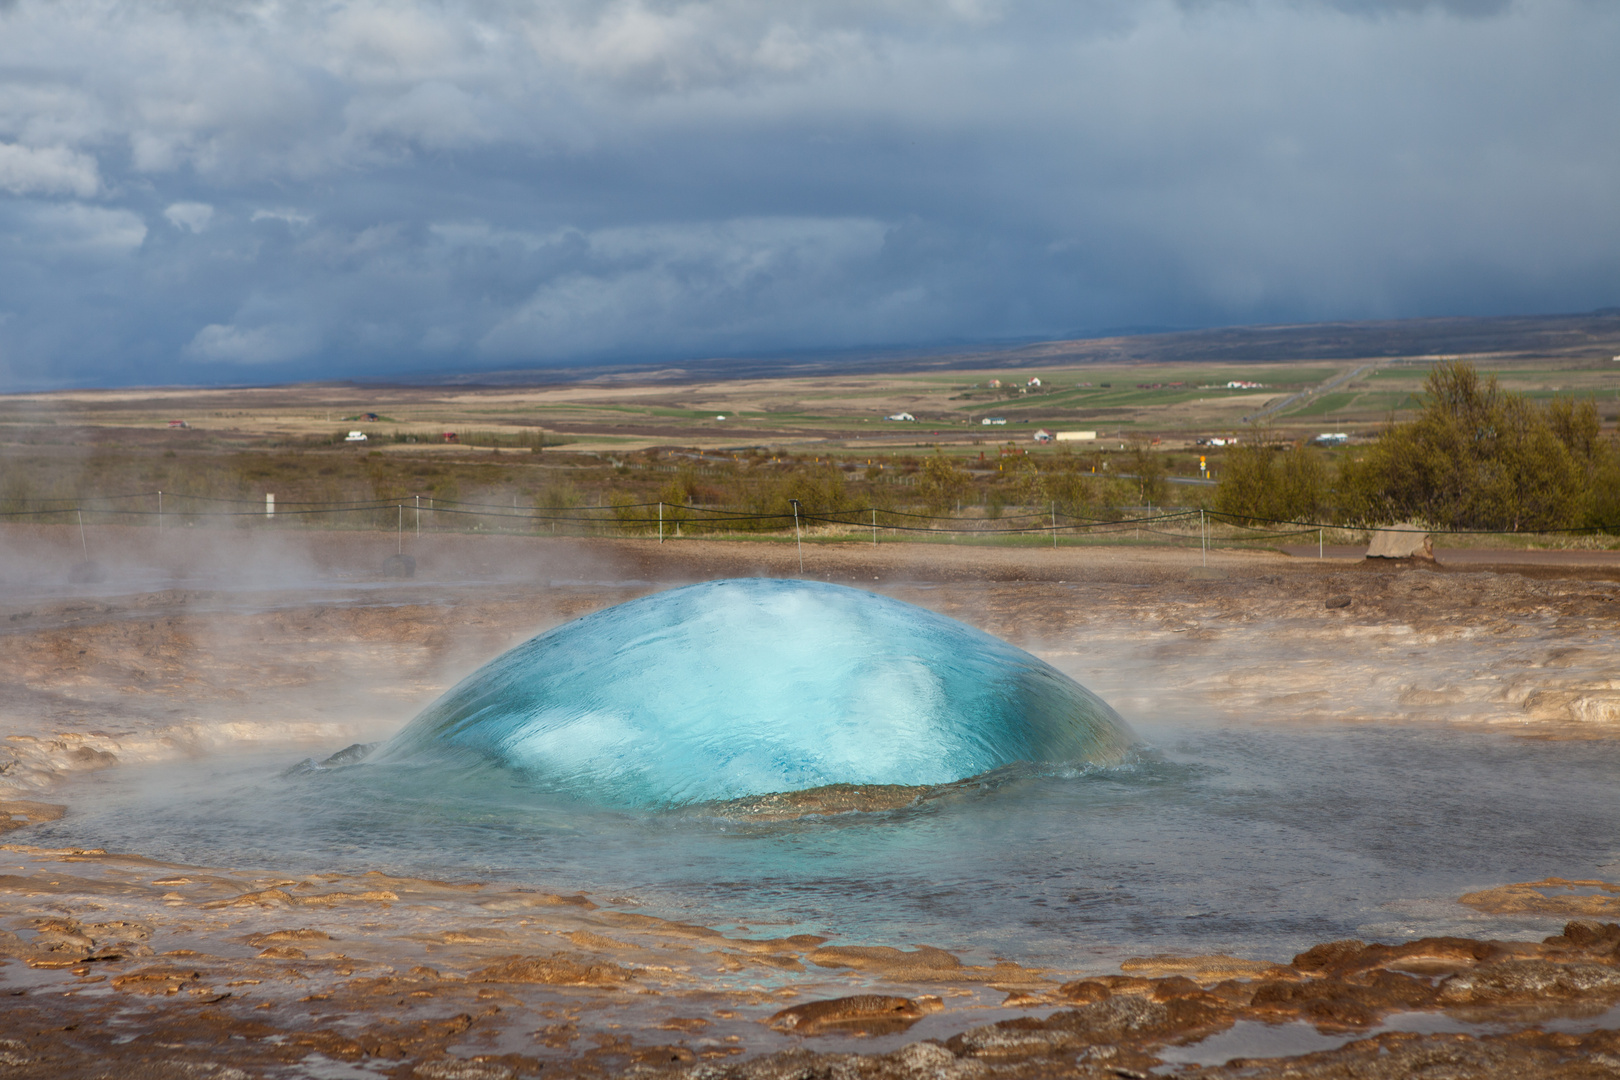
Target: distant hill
{"points": [[1591, 336], [1597, 334]]}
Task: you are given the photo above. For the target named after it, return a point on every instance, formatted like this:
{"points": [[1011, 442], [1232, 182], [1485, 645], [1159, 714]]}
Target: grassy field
{"points": [[732, 441], [1395, 388], [1174, 403]]}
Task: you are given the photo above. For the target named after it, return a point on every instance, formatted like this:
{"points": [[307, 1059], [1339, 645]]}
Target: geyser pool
{"points": [[1257, 841], [746, 687]]}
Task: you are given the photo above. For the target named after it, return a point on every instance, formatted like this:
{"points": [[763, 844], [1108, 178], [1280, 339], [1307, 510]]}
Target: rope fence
{"points": [[669, 521]]}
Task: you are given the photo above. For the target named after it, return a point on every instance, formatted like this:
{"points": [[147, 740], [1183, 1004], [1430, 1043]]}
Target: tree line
{"points": [[1475, 457]]}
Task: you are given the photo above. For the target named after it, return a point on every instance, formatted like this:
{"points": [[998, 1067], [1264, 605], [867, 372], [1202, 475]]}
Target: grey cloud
{"points": [[49, 170], [191, 216], [1469, 8], [255, 345], [48, 231], [1383, 8], [348, 187], [288, 217], [695, 286]]}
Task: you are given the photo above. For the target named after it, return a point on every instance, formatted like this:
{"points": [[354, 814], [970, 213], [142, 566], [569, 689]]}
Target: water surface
{"points": [[1258, 841]]}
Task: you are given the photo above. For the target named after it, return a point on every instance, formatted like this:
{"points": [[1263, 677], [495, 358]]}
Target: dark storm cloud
{"points": [[251, 191]]}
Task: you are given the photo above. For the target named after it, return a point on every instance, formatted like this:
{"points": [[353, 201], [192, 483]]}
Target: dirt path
{"points": [[1471, 557]]}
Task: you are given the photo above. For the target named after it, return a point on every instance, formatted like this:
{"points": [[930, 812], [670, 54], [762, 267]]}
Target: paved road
{"points": [[1294, 399]]}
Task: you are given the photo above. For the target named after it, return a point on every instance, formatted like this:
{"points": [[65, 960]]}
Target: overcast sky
{"points": [[223, 191]]}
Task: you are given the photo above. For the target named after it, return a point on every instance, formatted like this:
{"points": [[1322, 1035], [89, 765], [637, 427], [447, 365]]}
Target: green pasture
{"points": [[1359, 404]]}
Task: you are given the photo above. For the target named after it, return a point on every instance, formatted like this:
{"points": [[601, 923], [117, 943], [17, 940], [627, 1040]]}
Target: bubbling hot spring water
{"points": [[1010, 812], [749, 687]]}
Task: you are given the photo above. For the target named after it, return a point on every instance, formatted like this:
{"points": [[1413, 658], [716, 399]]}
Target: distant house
{"points": [[907, 417], [177, 424], [451, 436], [994, 384], [1044, 436], [355, 436], [1331, 438], [1034, 381], [993, 420], [1239, 384], [368, 416]]}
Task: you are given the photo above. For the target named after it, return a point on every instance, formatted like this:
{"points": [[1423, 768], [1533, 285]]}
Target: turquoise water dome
{"points": [[754, 686]]}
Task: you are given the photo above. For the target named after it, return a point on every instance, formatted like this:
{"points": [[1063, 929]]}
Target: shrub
{"points": [[1576, 425], [1151, 483], [1021, 480], [1603, 498], [678, 494], [1261, 481], [820, 490], [559, 497], [943, 483], [1073, 494], [1476, 457], [627, 516]]}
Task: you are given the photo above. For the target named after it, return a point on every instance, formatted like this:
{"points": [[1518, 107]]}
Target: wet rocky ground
{"points": [[116, 964], [120, 967]]}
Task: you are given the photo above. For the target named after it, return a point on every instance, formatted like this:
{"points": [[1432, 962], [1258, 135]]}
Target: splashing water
{"points": [[747, 687]]}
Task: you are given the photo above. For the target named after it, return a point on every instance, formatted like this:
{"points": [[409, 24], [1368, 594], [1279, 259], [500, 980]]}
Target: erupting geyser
{"points": [[747, 687]]}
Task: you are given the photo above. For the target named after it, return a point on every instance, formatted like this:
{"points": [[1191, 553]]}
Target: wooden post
{"points": [[797, 535]]}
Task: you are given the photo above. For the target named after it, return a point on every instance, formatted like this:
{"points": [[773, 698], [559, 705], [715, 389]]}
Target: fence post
{"points": [[269, 505], [82, 542], [399, 530], [1054, 523], [160, 511], [874, 526], [1203, 536], [660, 521], [418, 499], [797, 536], [1318, 543]]}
